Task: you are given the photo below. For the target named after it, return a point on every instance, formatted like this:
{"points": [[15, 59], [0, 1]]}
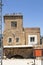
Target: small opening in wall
{"points": [[17, 39], [10, 40], [13, 24]]}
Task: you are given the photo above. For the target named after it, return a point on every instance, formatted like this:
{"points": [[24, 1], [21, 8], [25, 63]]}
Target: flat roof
{"points": [[33, 28], [14, 14]]}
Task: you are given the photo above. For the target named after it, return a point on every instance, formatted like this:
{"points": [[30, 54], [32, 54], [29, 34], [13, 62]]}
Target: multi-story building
{"points": [[17, 40]]}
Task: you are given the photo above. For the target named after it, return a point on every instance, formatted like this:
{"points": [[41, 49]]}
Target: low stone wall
{"points": [[21, 62]]}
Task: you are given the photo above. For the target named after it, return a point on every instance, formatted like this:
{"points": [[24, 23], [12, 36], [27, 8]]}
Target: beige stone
{"points": [[18, 32]]}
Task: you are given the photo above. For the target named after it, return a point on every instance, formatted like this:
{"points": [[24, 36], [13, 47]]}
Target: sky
{"points": [[32, 11]]}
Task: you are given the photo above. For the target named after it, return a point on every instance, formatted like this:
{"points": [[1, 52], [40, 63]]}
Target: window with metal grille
{"points": [[32, 39], [13, 24]]}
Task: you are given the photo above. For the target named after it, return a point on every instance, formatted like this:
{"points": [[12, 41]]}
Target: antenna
{"points": [[1, 32]]}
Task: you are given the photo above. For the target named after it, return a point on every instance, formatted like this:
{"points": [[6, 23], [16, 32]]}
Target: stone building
{"points": [[17, 40], [41, 40]]}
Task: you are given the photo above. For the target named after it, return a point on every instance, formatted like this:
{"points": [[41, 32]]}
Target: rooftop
{"points": [[13, 14]]}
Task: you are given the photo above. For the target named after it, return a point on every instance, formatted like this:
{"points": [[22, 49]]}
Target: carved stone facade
{"points": [[15, 34]]}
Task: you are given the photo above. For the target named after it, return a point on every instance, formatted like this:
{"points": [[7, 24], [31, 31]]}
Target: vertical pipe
{"points": [[1, 31]]}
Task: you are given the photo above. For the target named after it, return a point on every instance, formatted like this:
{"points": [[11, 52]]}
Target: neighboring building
{"points": [[17, 40], [42, 40]]}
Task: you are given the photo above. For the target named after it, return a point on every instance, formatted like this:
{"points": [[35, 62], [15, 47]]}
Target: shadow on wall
{"points": [[16, 56]]}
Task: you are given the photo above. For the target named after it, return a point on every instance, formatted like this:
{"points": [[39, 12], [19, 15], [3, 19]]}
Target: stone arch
{"points": [[17, 56]]}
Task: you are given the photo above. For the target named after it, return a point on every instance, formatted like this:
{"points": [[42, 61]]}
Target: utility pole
{"points": [[1, 48]]}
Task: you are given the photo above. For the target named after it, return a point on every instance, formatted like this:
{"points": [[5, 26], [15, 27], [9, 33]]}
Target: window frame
{"points": [[14, 24], [18, 43], [32, 39], [32, 43], [8, 40], [17, 39]]}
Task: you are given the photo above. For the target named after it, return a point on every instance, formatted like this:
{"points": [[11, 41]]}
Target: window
{"points": [[32, 39], [14, 24], [10, 40], [17, 39]]}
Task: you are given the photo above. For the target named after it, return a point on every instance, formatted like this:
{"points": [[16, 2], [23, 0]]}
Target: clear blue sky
{"points": [[32, 11]]}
